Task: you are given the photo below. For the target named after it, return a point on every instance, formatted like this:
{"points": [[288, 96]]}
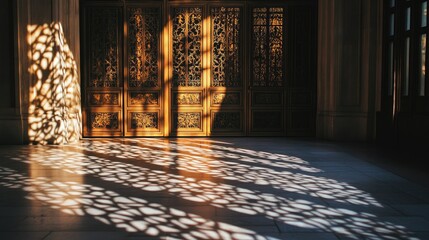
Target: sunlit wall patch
{"points": [[54, 112]]}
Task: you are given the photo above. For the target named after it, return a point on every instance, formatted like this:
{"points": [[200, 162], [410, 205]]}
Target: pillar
{"points": [[349, 68]]}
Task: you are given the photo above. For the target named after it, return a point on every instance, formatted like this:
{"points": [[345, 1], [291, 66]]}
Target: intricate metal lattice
{"points": [[187, 98], [143, 47], [226, 98], [187, 26], [267, 44], [144, 98], [104, 120], [99, 99], [103, 58], [226, 53], [189, 120], [144, 120]]}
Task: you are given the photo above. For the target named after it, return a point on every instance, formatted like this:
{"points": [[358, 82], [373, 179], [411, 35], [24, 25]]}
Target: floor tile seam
{"points": [[47, 235]]}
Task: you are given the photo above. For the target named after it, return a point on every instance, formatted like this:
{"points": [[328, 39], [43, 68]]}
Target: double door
{"points": [[200, 69]]}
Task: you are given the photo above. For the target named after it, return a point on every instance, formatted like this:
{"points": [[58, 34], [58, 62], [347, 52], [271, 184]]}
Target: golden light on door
{"points": [[188, 69]]}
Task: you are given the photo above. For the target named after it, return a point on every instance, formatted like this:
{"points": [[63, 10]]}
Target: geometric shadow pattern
{"points": [[207, 189]]}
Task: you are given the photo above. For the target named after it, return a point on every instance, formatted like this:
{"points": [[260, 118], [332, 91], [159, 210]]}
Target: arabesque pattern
{"points": [[144, 120], [188, 120], [231, 98], [267, 47], [144, 98], [104, 120], [143, 46], [225, 45], [54, 102], [187, 40], [187, 99], [103, 55], [99, 99]]}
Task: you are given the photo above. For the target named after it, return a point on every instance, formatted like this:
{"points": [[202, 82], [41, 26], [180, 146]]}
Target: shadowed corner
{"points": [[55, 99]]}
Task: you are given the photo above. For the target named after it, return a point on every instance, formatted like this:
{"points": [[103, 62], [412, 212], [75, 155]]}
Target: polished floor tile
{"points": [[200, 188], [421, 210], [24, 235], [86, 235]]}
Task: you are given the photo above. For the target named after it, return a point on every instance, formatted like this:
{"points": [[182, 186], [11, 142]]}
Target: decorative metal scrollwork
{"points": [[190, 120], [104, 120], [187, 98], [226, 120], [226, 53], [187, 39], [144, 120], [143, 46], [99, 99], [267, 44], [226, 98], [144, 98], [103, 56]]}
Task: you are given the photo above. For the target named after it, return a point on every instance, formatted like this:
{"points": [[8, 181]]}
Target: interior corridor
{"points": [[199, 188]]}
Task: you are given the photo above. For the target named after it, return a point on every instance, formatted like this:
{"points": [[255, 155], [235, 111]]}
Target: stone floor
{"points": [[197, 188]]}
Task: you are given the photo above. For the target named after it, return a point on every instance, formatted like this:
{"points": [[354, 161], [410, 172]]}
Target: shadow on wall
{"points": [[54, 102]]}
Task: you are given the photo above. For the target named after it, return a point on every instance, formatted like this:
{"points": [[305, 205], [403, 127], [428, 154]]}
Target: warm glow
{"points": [[54, 104], [128, 213]]}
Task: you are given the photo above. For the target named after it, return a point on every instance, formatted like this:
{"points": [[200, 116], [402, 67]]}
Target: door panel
{"points": [[226, 79], [267, 85], [143, 95], [187, 85], [102, 113]]}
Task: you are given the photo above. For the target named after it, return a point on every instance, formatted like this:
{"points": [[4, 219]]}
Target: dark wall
{"points": [[7, 65], [403, 122]]}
